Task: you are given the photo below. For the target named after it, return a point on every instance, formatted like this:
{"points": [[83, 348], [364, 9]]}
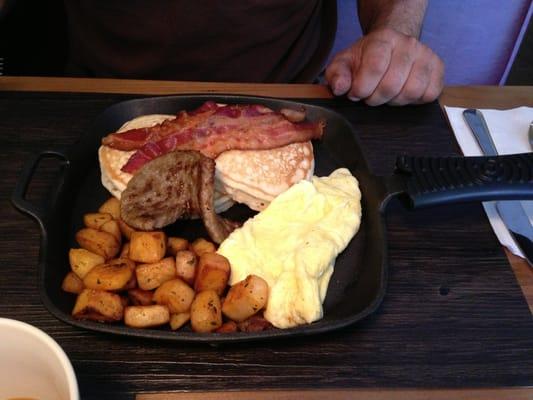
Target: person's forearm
{"points": [[404, 16]]}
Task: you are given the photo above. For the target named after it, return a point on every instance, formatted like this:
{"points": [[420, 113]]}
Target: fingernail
{"points": [[353, 98]]}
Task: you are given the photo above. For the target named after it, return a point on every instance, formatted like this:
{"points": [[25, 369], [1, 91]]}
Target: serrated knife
{"points": [[511, 212]]}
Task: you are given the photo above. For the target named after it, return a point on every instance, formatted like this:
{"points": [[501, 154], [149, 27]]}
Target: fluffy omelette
{"points": [[293, 244]]}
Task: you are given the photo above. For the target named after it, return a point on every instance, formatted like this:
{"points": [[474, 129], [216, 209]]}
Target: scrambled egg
{"points": [[293, 243]]}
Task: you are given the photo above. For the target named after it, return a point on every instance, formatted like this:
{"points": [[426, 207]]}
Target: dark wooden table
{"points": [[453, 318]]}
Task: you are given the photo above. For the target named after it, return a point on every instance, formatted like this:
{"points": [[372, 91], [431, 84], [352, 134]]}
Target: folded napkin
{"points": [[509, 131]]}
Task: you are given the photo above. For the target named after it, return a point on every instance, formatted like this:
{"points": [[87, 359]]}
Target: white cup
{"points": [[32, 365]]}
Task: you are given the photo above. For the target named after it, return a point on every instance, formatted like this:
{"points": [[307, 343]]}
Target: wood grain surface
{"points": [[354, 394], [453, 317]]}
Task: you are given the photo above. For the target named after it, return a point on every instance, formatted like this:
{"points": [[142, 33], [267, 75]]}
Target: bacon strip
{"points": [[211, 130]]}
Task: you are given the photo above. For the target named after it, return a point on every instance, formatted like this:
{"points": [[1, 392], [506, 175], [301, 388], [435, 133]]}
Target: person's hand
{"points": [[386, 66]]}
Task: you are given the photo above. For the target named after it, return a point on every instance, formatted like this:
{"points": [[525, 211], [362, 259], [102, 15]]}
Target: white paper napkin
{"points": [[509, 131]]}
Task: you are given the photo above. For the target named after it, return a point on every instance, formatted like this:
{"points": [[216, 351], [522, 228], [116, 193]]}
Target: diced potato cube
{"points": [[178, 320], [186, 262], [82, 261], [112, 228], [175, 244], [245, 298], [114, 275], [213, 272], [140, 297], [102, 243], [176, 295], [206, 315], [146, 316], [151, 276], [111, 206], [201, 246], [98, 305], [72, 283], [147, 247], [96, 220]]}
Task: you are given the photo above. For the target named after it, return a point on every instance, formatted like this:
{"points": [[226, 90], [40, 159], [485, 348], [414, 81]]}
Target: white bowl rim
{"points": [[53, 345]]}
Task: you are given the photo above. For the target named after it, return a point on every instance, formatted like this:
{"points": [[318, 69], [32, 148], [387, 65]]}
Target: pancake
{"points": [[251, 177], [256, 177], [112, 160]]}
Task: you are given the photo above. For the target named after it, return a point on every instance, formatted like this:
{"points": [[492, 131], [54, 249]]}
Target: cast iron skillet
{"points": [[358, 284]]}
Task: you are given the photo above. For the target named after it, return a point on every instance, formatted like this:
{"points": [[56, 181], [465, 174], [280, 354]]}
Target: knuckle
{"points": [[390, 88], [377, 63]]}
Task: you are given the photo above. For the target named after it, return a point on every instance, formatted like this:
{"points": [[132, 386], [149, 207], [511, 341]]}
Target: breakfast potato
{"points": [[245, 298], [212, 273], [151, 276], [72, 283], [178, 320], [126, 230], [228, 327], [147, 247], [206, 315], [146, 316], [125, 252], [96, 220], [112, 228], [114, 275], [201, 246], [176, 295], [98, 305], [111, 206], [175, 244], [140, 297], [186, 262], [82, 261], [102, 243]]}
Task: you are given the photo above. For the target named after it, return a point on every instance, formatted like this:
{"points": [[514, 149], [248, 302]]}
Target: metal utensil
{"points": [[511, 212]]}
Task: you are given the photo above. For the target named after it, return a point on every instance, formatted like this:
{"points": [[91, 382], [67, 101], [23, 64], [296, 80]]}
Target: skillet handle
{"points": [[433, 181], [18, 197]]}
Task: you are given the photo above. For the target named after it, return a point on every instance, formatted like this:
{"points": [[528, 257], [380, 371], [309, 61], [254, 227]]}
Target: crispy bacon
{"points": [[211, 130]]}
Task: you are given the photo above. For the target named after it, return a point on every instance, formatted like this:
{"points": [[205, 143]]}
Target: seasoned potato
{"points": [[82, 261], [176, 295], [102, 243], [206, 315], [114, 275], [228, 327], [126, 230], [139, 297], [151, 276], [98, 305], [201, 246], [147, 247], [111, 206], [146, 316], [186, 265], [112, 228], [245, 298], [72, 283], [96, 220], [178, 320], [175, 244], [212, 273], [125, 252]]}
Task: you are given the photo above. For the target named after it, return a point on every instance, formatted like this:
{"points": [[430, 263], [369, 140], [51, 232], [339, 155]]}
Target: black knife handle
{"points": [[433, 181]]}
